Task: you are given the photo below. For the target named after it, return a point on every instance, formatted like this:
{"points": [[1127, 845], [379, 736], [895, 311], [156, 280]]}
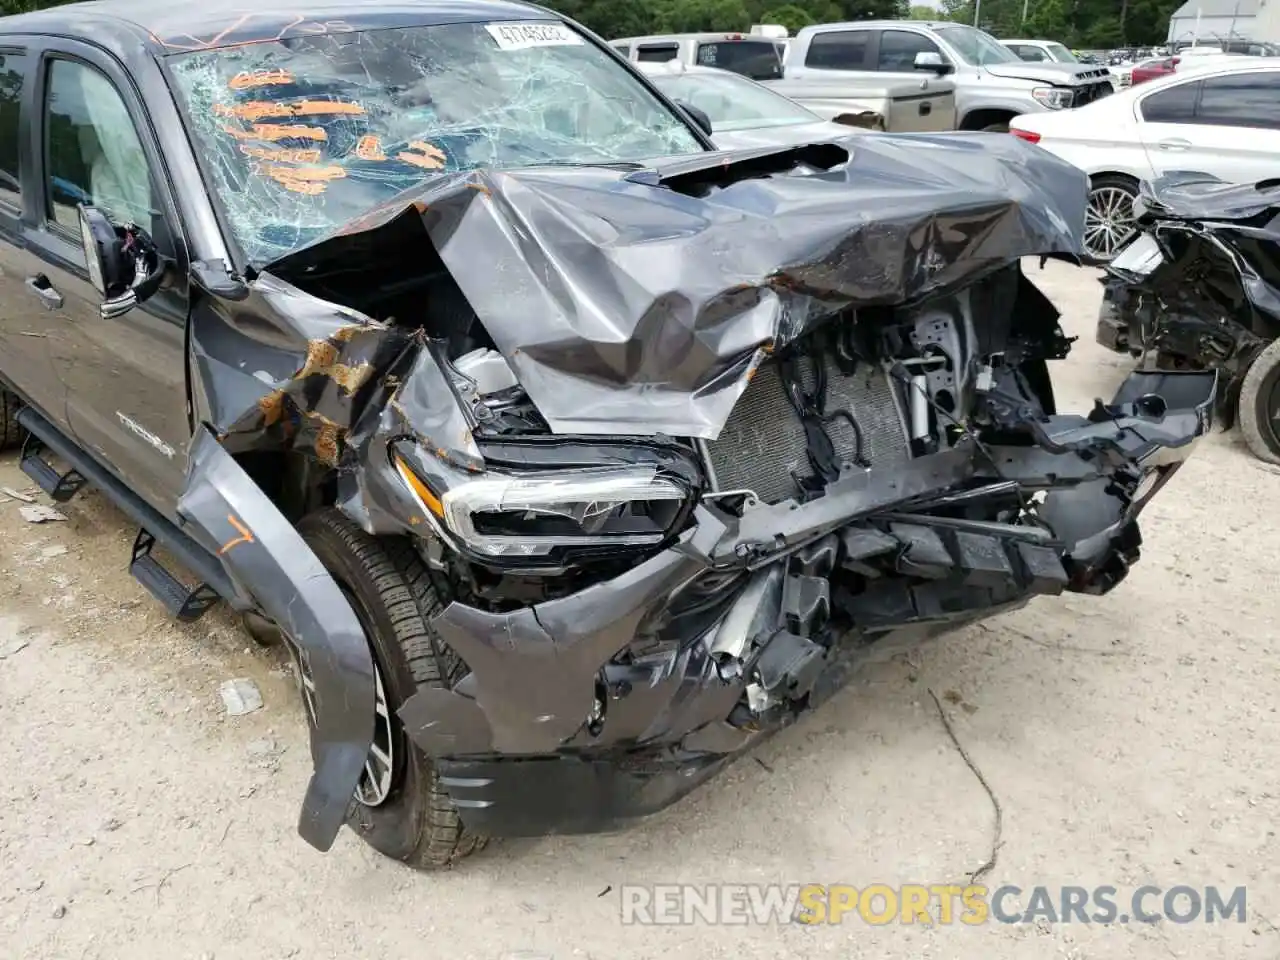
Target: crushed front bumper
{"points": [[557, 728]]}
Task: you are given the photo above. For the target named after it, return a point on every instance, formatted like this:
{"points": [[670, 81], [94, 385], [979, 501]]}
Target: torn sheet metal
{"points": [[230, 516], [1224, 236], [1196, 196], [536, 670], [640, 303], [289, 371], [286, 370]]}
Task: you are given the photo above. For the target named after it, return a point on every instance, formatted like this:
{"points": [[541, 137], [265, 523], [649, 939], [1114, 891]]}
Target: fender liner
{"points": [[261, 551]]}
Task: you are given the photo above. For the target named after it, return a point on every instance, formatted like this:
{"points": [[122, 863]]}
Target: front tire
{"points": [[400, 809], [1258, 409]]}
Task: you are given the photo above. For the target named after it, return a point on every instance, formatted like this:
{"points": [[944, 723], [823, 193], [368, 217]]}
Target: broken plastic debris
{"points": [[240, 696], [9, 491], [38, 513], [55, 551]]}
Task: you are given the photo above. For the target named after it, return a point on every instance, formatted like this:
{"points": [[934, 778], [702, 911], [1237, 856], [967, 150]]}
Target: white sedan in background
{"points": [[1221, 118], [743, 113]]}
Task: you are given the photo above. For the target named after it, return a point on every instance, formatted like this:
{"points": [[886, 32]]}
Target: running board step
{"points": [[186, 603], [60, 486]]}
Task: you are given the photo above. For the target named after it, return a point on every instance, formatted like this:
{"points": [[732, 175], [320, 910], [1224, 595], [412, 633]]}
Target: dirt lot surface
{"points": [[1130, 740]]}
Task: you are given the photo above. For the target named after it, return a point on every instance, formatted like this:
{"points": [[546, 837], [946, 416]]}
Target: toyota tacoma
{"points": [[570, 456]]}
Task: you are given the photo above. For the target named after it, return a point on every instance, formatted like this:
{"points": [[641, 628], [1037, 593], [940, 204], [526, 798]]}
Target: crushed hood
{"points": [[638, 302], [783, 135]]}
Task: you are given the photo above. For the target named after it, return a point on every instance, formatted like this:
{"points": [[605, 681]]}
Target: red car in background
{"points": [[1150, 69]]}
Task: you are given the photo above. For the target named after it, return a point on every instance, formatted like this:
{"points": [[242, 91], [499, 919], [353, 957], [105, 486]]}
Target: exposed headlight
{"points": [[532, 514], [1052, 97]]}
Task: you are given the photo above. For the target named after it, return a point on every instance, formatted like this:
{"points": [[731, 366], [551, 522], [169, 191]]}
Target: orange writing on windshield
{"points": [[369, 147], [249, 79], [262, 110], [423, 155], [280, 154], [277, 131], [302, 180]]}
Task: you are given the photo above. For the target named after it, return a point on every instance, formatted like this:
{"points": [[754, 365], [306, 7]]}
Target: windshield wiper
{"points": [[609, 164]]}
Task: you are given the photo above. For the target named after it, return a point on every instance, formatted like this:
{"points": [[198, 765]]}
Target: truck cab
{"points": [[756, 56]]}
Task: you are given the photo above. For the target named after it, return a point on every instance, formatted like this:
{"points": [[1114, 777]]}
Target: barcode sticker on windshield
{"points": [[521, 36]]}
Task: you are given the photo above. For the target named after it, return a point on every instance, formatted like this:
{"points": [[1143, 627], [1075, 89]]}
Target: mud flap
{"points": [[225, 510]]}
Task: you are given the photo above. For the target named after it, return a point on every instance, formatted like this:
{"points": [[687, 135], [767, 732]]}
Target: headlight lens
{"points": [[532, 514], [1052, 97]]}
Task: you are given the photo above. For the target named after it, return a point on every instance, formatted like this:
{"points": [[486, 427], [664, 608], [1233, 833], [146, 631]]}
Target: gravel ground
{"points": [[1130, 739]]}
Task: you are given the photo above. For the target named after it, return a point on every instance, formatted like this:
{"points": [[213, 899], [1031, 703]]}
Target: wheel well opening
{"points": [[980, 119], [1096, 178], [297, 484]]}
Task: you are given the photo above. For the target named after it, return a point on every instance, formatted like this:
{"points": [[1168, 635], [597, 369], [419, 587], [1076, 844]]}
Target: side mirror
{"points": [[698, 116], [123, 265], [929, 60]]}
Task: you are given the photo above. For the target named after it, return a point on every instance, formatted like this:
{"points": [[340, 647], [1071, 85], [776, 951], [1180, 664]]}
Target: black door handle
{"points": [[926, 108], [42, 288]]}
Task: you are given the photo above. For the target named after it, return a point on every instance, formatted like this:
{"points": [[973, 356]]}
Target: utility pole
{"points": [[977, 11], [1024, 10]]}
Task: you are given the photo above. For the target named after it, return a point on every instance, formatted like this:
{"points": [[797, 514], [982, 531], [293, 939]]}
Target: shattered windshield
{"points": [[301, 135], [975, 47]]}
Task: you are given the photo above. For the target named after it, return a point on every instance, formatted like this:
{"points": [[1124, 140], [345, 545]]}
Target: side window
{"points": [[898, 49], [657, 52], [93, 154], [623, 48], [12, 73], [1173, 104], [1241, 100], [1029, 54], [839, 50]]}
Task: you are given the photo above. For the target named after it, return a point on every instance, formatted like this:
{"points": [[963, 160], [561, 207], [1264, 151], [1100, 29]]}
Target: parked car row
{"points": [[923, 76]]}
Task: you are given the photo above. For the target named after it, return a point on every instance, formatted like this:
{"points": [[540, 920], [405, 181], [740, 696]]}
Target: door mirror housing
{"points": [[932, 61], [698, 116], [123, 264], [103, 253]]}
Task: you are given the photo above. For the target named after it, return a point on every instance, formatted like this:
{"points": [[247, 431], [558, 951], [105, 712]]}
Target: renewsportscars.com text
{"points": [[928, 904]]}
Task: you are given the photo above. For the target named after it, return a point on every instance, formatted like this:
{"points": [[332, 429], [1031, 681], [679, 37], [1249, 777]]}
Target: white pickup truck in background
{"points": [[924, 103], [992, 85]]}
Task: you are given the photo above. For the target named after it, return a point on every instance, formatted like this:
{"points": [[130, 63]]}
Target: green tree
{"points": [[9, 7], [792, 16], [1077, 23]]}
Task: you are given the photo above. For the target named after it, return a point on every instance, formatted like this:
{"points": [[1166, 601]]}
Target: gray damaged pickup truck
{"points": [[569, 456]]}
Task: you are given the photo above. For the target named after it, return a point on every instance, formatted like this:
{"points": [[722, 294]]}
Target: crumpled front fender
{"points": [[262, 552]]}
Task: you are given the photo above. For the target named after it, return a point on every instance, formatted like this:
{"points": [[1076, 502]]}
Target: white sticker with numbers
{"points": [[522, 36]]}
